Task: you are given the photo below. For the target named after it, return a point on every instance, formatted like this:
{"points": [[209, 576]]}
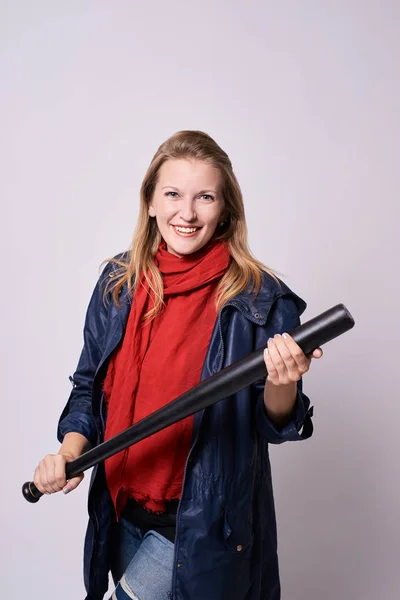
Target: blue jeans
{"points": [[141, 563]]}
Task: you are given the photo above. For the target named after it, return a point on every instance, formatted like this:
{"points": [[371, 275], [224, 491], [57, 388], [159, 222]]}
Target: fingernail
{"points": [[284, 335], [66, 490], [277, 335], [266, 351]]}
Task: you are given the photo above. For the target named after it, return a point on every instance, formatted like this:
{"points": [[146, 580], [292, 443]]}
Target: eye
{"points": [[207, 197], [168, 194]]}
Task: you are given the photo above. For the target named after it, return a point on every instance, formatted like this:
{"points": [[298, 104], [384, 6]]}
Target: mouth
{"points": [[185, 231]]}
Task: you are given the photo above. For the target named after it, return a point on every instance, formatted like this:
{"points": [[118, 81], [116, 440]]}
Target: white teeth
{"points": [[186, 229]]}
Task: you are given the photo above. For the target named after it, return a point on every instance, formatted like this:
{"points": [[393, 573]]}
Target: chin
{"points": [[185, 248], [184, 251]]}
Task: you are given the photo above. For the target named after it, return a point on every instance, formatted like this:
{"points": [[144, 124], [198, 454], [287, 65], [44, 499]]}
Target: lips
{"points": [[185, 231]]}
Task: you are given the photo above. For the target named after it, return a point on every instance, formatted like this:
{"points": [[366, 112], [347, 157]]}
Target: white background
{"points": [[304, 97]]}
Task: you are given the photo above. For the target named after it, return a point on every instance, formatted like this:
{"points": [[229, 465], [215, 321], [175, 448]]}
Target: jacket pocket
{"points": [[237, 533]]}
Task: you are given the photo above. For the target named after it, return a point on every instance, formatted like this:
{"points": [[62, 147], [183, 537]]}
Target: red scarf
{"points": [[155, 363]]}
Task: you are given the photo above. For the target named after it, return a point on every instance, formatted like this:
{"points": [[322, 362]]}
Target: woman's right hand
{"points": [[49, 476]]}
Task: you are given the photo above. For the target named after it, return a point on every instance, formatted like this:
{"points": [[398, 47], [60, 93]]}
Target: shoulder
{"points": [[271, 290], [259, 303], [109, 269], [113, 266]]}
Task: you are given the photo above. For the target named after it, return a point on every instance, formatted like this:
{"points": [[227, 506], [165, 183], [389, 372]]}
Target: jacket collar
{"points": [[256, 307]]}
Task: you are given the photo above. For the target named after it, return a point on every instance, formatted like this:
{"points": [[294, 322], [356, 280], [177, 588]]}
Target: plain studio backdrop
{"points": [[304, 97]]}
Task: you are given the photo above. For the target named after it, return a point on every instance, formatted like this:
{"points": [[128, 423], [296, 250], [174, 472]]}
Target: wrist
{"points": [[279, 401], [74, 444], [68, 455]]}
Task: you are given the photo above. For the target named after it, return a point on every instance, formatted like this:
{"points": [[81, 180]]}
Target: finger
{"points": [[300, 358], [317, 353], [276, 359], [292, 368], [59, 471], [38, 481], [273, 374], [73, 483], [43, 478], [50, 470]]}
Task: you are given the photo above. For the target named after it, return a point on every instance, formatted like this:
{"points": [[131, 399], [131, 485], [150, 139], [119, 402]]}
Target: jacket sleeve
{"points": [[283, 317], [77, 415]]}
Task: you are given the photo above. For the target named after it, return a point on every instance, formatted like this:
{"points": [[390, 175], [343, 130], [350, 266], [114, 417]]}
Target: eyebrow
{"points": [[178, 190]]}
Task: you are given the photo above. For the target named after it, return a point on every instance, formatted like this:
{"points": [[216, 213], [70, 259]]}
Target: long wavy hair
{"points": [[244, 270]]}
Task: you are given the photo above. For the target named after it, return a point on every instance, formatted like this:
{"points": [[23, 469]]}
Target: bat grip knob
{"points": [[30, 492]]}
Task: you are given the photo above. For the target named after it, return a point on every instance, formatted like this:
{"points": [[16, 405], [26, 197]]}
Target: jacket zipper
{"points": [[221, 361]]}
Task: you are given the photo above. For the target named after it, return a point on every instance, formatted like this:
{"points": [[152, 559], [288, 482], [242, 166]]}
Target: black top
{"points": [[165, 524]]}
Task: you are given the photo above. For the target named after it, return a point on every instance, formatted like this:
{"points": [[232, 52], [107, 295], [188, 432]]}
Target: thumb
{"points": [[73, 483]]}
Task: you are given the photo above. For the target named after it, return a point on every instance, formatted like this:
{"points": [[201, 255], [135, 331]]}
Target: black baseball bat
{"points": [[309, 336]]}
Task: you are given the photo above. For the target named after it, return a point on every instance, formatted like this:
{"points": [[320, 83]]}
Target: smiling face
{"points": [[187, 204]]}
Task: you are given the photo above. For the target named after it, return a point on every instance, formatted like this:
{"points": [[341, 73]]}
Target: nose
{"points": [[187, 210]]}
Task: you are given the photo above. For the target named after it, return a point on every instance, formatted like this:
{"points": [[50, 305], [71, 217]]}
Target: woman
{"points": [[187, 513]]}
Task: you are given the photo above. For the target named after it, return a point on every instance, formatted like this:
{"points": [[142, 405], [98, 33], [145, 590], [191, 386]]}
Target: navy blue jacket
{"points": [[226, 543]]}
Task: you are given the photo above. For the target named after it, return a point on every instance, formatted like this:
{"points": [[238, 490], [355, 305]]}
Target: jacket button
{"points": [[239, 548], [179, 564], [256, 315]]}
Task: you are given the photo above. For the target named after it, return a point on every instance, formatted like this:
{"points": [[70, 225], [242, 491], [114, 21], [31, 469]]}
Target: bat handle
{"points": [[30, 492]]}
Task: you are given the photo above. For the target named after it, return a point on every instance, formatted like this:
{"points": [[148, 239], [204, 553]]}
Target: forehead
{"points": [[189, 173]]}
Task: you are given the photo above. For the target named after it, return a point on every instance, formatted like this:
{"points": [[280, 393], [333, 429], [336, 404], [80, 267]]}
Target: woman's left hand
{"points": [[286, 361]]}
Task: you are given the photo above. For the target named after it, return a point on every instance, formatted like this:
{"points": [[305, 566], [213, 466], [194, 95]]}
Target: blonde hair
{"points": [[244, 270]]}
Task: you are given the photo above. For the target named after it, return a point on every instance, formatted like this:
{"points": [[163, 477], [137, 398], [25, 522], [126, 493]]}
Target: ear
{"points": [[224, 220], [224, 214], [152, 212]]}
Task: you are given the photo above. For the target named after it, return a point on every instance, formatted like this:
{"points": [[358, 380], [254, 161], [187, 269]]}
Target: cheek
{"points": [[215, 222], [212, 218], [165, 214], [214, 225]]}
